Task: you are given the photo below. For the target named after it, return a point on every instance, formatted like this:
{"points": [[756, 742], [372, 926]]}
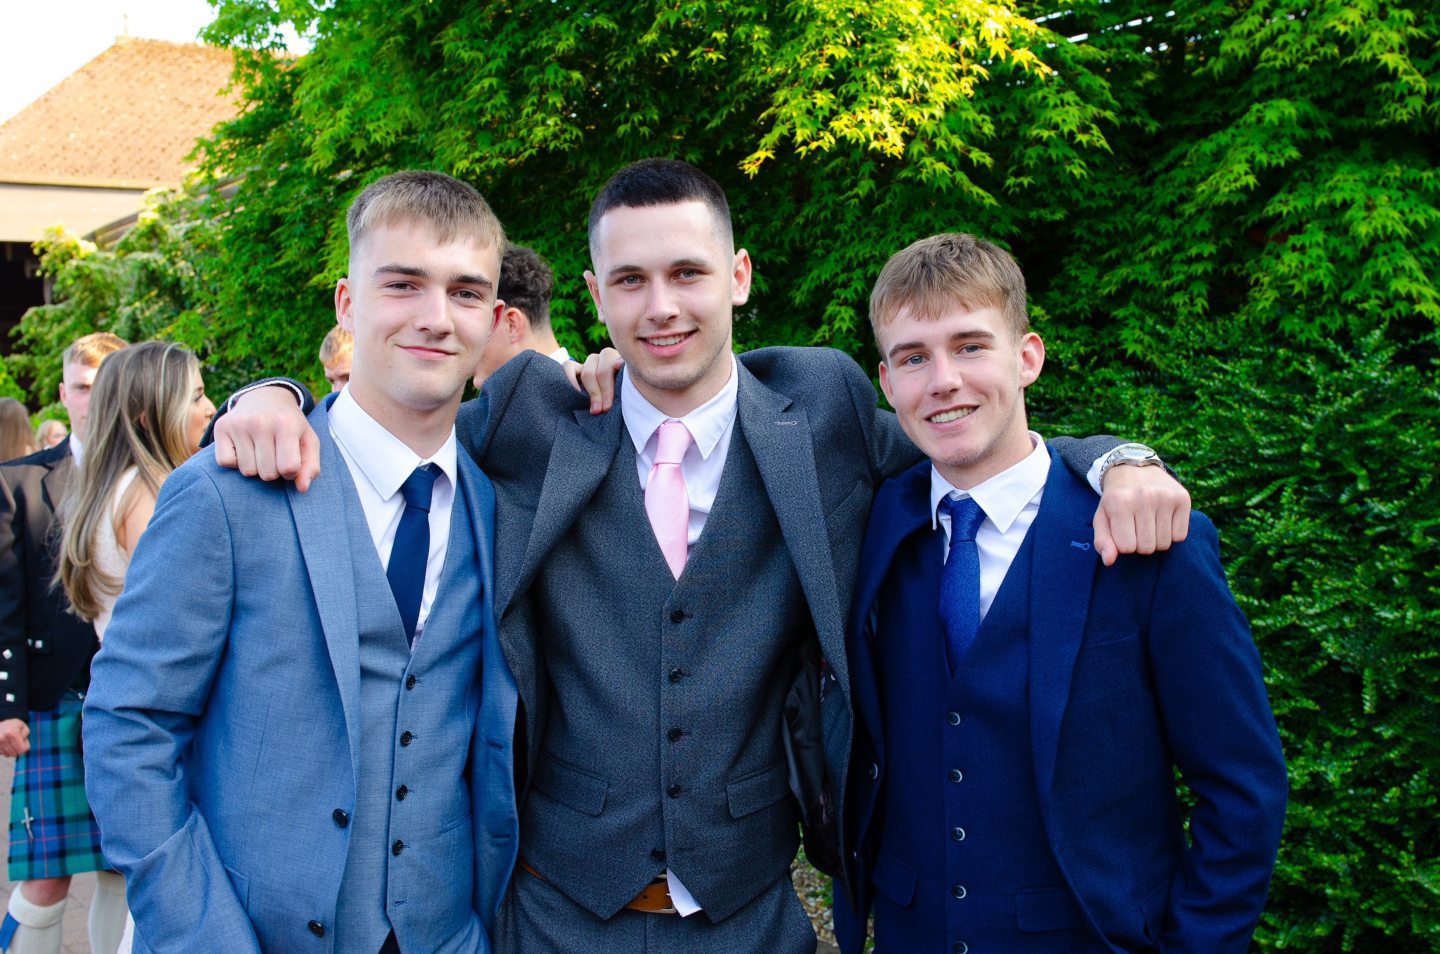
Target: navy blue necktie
{"points": [[411, 550], [960, 583]]}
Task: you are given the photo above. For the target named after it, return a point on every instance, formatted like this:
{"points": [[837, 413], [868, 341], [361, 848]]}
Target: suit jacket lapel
{"points": [[780, 440], [580, 457], [901, 508], [57, 477], [1062, 576], [319, 513]]}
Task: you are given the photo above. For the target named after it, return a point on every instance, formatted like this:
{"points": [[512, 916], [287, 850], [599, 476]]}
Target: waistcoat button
{"points": [[398, 847], [953, 718], [406, 738], [677, 616], [341, 817], [401, 792], [674, 734], [956, 776], [317, 929], [674, 791], [957, 833]]}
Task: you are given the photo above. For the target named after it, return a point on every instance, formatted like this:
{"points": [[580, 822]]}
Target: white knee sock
{"points": [[107, 913], [41, 930]]}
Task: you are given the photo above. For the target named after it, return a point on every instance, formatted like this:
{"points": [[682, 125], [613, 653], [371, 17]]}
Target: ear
{"points": [[344, 305], [1032, 358], [885, 381], [593, 284], [740, 275], [62, 392], [515, 324]]}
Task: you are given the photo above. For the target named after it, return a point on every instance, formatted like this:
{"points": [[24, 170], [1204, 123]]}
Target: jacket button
{"points": [[341, 817], [960, 947], [958, 892], [406, 738], [677, 616], [400, 793], [676, 675], [675, 734], [953, 718], [317, 929], [398, 847], [658, 854], [410, 681], [957, 776], [957, 833], [674, 791], [874, 771]]}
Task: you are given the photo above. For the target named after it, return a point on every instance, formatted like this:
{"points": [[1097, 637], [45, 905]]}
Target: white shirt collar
{"points": [[1003, 496], [560, 355], [77, 449], [707, 424], [382, 458]]}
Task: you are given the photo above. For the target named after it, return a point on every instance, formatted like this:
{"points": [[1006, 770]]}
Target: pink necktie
{"points": [[665, 499]]}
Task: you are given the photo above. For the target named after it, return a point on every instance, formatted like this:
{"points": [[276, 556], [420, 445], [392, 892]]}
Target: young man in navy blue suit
{"points": [[1020, 707]]}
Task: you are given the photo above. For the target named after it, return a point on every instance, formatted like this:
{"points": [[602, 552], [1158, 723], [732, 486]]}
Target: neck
{"points": [[423, 430]]}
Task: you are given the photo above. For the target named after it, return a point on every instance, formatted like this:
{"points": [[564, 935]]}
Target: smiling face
{"points": [[957, 383], [76, 382], [421, 311], [665, 283]]}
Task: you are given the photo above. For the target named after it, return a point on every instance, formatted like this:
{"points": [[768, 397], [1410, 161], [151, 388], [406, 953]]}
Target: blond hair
{"points": [[92, 349], [936, 274], [139, 417], [338, 344], [449, 207]]}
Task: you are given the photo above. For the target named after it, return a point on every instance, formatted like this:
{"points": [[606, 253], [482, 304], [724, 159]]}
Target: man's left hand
{"points": [[1143, 510]]}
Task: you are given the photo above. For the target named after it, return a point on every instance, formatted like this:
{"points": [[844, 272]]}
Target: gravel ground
{"points": [[814, 891]]}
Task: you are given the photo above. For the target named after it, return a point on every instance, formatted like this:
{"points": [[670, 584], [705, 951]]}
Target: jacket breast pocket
{"points": [[571, 786], [750, 793], [894, 879]]}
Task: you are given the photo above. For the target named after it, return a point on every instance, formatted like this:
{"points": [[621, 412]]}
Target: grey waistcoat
{"points": [[417, 737], [662, 746]]}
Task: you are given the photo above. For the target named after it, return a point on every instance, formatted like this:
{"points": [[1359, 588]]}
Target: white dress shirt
{"points": [[1010, 500], [379, 464], [710, 425], [560, 355], [77, 449]]}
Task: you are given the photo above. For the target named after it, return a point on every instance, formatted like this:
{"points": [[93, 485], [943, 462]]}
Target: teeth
{"points": [[667, 342], [945, 417]]}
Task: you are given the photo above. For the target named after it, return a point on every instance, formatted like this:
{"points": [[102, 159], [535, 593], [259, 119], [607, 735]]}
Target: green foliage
{"points": [[1228, 214]]}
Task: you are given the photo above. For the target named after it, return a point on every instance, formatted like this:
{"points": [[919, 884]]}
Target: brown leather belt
{"points": [[654, 899]]}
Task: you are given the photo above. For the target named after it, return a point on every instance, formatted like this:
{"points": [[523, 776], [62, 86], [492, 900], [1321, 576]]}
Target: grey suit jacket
{"points": [[821, 445]]}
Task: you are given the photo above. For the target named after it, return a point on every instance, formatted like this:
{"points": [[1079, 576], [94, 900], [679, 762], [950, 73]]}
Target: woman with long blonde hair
{"points": [[148, 411], [16, 439]]}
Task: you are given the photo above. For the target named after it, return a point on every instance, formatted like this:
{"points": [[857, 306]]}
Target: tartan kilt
{"points": [[61, 837]]}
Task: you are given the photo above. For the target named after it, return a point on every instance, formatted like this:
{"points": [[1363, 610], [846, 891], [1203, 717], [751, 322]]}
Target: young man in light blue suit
{"points": [[299, 729], [1020, 708]]}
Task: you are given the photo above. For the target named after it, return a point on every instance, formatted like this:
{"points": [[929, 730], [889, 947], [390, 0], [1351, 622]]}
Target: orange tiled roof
{"points": [[128, 117]]}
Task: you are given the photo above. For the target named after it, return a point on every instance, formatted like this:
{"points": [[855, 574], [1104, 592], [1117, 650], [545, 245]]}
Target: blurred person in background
{"points": [[335, 354], [16, 439], [526, 284], [45, 655], [150, 411], [50, 432]]}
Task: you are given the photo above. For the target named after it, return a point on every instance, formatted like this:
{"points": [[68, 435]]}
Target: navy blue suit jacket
{"points": [[1136, 669]]}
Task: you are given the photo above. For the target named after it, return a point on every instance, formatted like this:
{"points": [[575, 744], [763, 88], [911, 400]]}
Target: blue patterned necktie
{"points": [[411, 550], [960, 583]]}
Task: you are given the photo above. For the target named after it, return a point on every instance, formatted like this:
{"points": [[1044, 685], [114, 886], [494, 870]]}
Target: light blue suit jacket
{"points": [[222, 727]]}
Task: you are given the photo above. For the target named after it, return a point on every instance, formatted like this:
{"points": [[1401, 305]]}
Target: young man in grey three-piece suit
{"points": [[653, 648], [292, 745]]}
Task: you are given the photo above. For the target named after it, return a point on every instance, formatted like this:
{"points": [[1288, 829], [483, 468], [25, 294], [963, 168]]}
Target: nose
{"points": [[432, 314], [209, 407], [660, 303], [945, 375]]}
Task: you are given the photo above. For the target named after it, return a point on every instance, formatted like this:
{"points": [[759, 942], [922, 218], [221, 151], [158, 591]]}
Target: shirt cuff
{"points": [[294, 389]]}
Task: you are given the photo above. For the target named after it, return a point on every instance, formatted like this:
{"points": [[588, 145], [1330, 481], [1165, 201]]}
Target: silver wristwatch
{"points": [[1137, 455]]}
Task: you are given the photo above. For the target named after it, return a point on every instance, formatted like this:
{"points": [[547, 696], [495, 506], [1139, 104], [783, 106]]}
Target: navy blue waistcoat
{"points": [[964, 863]]}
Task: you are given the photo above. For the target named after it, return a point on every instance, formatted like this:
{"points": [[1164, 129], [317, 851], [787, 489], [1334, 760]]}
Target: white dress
{"points": [[109, 558], [114, 561]]}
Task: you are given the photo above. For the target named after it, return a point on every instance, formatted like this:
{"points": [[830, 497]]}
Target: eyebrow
{"points": [[411, 271], [958, 336], [677, 263]]}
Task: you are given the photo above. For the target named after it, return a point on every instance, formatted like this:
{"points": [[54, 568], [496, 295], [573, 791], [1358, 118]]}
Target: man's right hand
{"points": [[264, 435], [14, 738]]}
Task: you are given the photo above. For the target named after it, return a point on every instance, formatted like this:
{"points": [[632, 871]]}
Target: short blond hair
{"points": [[338, 344], [92, 349], [450, 208], [934, 275]]}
